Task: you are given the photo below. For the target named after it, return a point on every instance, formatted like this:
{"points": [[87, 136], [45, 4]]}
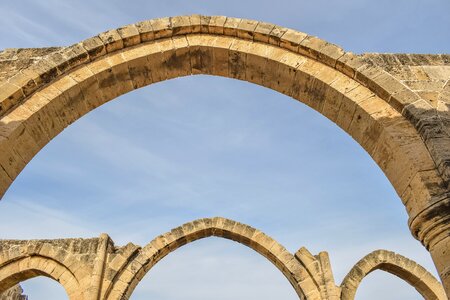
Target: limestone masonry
{"points": [[396, 106], [96, 269]]}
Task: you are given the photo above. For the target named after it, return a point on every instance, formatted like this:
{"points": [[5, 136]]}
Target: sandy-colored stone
{"points": [[396, 106]]}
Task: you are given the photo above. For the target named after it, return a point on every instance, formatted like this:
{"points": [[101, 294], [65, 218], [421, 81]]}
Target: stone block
{"points": [[112, 40], [130, 35]]}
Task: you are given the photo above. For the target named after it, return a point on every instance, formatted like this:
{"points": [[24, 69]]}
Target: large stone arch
{"points": [[404, 134], [398, 265], [134, 268]]}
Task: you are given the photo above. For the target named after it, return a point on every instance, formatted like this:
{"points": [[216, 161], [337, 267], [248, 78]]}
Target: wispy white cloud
{"points": [[26, 219], [24, 28]]}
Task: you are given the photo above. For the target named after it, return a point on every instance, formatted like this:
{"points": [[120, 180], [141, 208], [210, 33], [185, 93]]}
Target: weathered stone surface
{"points": [[13, 60], [396, 106]]}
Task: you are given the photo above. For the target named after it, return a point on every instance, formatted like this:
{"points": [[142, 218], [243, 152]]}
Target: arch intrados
{"points": [[289, 64], [302, 282], [398, 265]]}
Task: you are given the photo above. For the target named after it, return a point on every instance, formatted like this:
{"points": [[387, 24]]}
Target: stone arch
{"points": [[411, 272], [57, 259], [29, 266], [381, 113], [135, 268]]}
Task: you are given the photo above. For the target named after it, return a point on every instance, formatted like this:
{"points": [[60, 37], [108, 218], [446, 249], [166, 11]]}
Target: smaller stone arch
{"points": [[137, 265], [67, 261], [411, 272], [26, 267]]}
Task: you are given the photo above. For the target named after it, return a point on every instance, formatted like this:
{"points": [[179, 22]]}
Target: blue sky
{"points": [[205, 146]]}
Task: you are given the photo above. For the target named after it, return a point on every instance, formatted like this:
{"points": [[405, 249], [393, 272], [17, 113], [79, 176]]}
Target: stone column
{"points": [[440, 253], [432, 228]]}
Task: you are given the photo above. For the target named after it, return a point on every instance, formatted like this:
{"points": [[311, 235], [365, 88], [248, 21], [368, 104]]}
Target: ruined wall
{"points": [[425, 74], [96, 269]]}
